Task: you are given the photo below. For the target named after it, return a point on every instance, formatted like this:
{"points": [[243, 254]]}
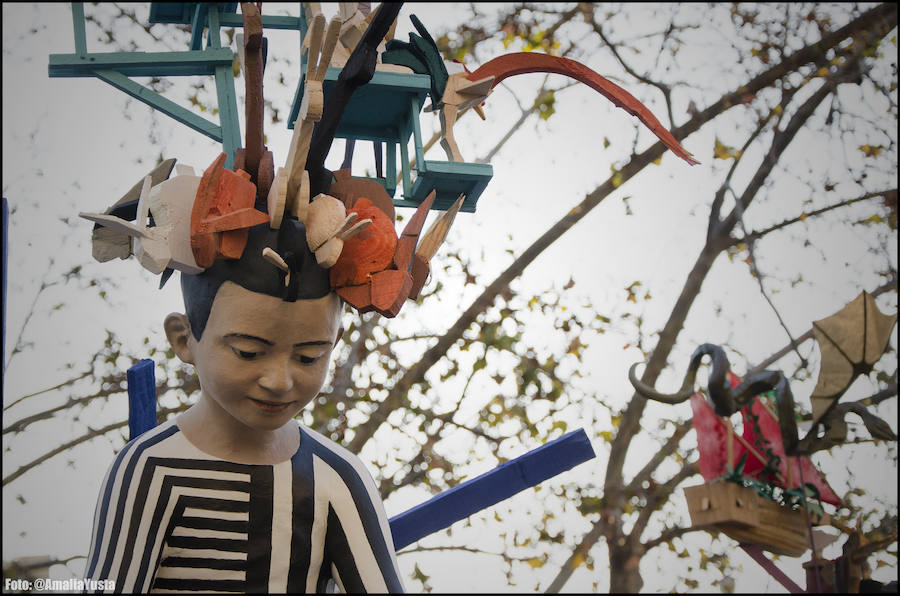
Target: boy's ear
{"points": [[178, 332]]}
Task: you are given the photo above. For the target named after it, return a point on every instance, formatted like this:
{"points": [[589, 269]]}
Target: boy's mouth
{"points": [[271, 406]]}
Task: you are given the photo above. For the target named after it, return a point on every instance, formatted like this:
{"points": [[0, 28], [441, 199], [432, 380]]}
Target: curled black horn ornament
{"points": [[727, 400]]}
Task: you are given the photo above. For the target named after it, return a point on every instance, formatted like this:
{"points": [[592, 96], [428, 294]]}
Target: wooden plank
{"points": [[78, 28], [757, 555], [160, 64], [141, 398], [484, 491], [158, 102]]}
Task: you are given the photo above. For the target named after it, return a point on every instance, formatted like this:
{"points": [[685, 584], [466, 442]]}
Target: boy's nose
{"points": [[277, 376]]}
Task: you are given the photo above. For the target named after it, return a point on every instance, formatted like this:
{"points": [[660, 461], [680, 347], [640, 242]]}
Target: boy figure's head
{"points": [[261, 347]]}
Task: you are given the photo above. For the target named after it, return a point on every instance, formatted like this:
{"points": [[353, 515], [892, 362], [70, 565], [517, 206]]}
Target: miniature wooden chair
{"points": [[386, 110], [438, 512]]}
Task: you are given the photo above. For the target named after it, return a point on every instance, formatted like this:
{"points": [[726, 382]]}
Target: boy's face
{"points": [[261, 359]]}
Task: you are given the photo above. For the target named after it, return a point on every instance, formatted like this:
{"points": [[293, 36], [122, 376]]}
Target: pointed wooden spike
{"points": [[274, 258], [118, 224], [331, 37], [355, 229], [316, 34], [437, 233], [348, 223]]}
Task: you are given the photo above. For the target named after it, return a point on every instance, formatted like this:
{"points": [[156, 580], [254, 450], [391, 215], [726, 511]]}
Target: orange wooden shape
{"points": [[368, 251], [222, 214]]}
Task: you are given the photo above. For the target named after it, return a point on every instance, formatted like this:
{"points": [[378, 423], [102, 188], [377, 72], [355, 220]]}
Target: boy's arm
{"points": [[121, 552], [359, 548]]}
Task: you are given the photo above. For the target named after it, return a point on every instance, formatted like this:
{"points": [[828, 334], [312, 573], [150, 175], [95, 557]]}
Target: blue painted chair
{"points": [[437, 513]]}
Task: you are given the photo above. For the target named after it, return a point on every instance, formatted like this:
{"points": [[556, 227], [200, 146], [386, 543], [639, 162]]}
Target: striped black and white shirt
{"points": [[172, 518]]}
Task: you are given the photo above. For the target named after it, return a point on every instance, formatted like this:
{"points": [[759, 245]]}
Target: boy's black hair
{"points": [[255, 273]]}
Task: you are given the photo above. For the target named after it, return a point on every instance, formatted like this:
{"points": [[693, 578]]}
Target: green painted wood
{"points": [[391, 170], [214, 37], [137, 64], [78, 28], [268, 22], [182, 13], [380, 103], [417, 129], [197, 24], [404, 158], [158, 102], [228, 113], [448, 179]]}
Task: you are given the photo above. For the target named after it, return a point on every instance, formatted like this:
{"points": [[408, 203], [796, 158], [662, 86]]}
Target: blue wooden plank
{"points": [[489, 489], [140, 64], [158, 102], [5, 242], [141, 398]]}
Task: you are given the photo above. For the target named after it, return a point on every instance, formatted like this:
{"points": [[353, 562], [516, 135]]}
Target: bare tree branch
{"points": [[757, 234], [91, 434]]}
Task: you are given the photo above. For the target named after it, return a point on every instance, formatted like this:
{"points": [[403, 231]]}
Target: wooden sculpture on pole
{"points": [[761, 487]]}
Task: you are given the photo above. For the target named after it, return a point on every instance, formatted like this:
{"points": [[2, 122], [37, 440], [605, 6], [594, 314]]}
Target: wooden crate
{"points": [[745, 516]]}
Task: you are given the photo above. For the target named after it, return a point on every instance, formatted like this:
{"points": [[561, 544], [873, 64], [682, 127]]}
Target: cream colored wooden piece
{"points": [[328, 225], [436, 234], [293, 195], [460, 94], [167, 243], [274, 258]]}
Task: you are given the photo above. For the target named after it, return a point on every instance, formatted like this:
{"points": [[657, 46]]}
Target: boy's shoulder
{"points": [[338, 458], [319, 443]]}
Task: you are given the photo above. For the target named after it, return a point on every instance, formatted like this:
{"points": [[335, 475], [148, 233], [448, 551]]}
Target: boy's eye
{"points": [[244, 355], [306, 359]]}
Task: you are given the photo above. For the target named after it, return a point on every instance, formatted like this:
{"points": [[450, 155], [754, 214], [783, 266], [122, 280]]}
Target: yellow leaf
{"points": [[535, 562], [822, 72], [577, 560], [657, 161], [871, 151], [723, 151]]}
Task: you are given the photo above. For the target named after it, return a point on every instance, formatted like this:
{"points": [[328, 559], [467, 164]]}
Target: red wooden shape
{"points": [[407, 243], [205, 245], [525, 62], [390, 289], [420, 270]]}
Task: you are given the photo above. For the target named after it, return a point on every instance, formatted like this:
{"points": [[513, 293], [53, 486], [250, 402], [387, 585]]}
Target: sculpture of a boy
{"points": [[234, 494]]}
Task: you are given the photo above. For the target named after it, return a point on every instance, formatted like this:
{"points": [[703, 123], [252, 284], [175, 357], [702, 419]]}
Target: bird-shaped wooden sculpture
{"points": [[454, 93]]}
